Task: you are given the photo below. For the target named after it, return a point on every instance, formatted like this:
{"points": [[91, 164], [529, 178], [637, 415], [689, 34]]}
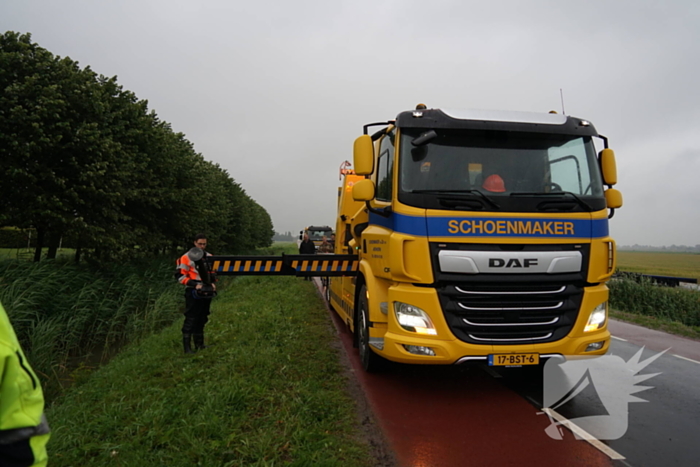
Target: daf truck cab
{"points": [[481, 236]]}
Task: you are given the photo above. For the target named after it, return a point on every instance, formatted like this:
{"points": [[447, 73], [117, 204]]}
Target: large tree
{"points": [[84, 159]]}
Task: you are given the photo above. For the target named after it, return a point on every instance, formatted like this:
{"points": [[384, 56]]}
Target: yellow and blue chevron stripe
{"points": [[285, 265]]}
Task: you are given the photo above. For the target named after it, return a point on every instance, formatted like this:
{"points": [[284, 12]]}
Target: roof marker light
{"points": [[418, 113]]}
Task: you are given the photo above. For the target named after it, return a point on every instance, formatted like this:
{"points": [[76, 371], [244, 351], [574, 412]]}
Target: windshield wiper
{"points": [[424, 138], [447, 196], [560, 194]]}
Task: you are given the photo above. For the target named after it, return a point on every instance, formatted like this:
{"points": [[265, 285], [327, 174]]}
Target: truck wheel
{"points": [[371, 362]]}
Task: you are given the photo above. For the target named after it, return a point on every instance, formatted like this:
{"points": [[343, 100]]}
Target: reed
{"points": [[665, 303], [65, 314]]}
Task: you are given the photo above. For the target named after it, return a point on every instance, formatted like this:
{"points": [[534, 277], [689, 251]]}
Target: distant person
{"points": [[325, 246], [332, 242], [307, 247], [24, 430], [193, 272]]}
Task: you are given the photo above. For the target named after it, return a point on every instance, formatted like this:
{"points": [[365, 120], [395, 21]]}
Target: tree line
{"points": [[284, 237], [86, 163]]}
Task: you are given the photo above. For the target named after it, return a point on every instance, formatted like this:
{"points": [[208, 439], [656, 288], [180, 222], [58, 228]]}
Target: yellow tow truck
{"points": [[481, 236], [469, 236]]}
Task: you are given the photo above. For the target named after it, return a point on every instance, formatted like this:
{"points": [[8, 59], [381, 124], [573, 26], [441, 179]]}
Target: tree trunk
{"points": [[54, 240], [39, 244], [78, 251]]}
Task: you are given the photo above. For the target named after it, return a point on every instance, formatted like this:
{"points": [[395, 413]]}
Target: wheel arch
{"points": [[359, 283], [366, 278]]}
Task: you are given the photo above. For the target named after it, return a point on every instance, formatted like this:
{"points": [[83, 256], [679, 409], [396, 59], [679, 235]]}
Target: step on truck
{"points": [[479, 236]]}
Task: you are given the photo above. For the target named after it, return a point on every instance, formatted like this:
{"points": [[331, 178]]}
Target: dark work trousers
{"points": [[196, 313]]}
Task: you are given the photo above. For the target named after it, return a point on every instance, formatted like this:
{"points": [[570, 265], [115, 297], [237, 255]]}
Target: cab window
{"points": [[385, 167]]}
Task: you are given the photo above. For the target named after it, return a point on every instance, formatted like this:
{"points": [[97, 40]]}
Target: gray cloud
{"points": [[275, 92]]}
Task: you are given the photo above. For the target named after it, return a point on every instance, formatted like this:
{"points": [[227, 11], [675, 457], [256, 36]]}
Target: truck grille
{"points": [[522, 313]]}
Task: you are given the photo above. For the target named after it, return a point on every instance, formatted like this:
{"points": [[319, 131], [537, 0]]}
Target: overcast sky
{"points": [[275, 92]]}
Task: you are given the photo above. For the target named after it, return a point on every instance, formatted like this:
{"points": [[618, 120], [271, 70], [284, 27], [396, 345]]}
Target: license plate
{"points": [[514, 359]]}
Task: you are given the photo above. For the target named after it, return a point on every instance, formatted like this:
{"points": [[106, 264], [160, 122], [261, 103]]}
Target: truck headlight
{"points": [[413, 319], [597, 318]]}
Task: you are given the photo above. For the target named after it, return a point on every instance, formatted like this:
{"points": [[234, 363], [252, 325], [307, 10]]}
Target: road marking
{"points": [[689, 359], [619, 338], [582, 434]]}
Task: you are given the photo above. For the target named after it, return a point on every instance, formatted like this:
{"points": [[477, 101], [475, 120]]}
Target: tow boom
{"points": [[285, 265]]}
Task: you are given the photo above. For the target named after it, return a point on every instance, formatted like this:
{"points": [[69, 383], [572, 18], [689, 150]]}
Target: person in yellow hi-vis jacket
{"points": [[24, 431]]}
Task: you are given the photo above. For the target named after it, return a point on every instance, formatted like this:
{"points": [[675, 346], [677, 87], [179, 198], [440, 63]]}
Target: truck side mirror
{"points": [[608, 166], [363, 155], [613, 198], [363, 190]]}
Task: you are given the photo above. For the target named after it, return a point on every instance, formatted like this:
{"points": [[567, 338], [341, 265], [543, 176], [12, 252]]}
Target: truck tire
{"points": [[371, 362]]}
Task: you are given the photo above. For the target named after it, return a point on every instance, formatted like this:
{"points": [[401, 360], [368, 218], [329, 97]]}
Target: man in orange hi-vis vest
{"points": [[193, 272]]}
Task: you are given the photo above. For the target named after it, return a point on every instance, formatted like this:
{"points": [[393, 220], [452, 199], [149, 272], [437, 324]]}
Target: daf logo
{"points": [[512, 263]]}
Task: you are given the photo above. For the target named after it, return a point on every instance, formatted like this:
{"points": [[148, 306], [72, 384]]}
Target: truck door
{"points": [[376, 236]]}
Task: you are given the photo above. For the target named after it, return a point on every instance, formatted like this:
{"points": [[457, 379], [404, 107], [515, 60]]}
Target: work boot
{"points": [[186, 338], [199, 341]]}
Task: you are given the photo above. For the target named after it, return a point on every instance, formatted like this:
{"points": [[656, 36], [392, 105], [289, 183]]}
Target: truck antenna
{"points": [[561, 95]]}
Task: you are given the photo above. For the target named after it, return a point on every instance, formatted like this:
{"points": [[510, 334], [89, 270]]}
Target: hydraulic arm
{"points": [[285, 265]]}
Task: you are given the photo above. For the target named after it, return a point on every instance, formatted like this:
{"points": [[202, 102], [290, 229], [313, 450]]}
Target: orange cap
{"points": [[494, 183]]}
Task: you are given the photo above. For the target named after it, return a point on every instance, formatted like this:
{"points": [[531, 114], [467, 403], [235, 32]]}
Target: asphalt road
{"points": [[435, 416], [665, 429]]}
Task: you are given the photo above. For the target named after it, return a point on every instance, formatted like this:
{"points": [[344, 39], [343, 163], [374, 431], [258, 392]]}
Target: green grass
{"points": [[661, 264], [672, 310], [645, 298], [269, 392], [67, 315], [660, 324], [28, 254]]}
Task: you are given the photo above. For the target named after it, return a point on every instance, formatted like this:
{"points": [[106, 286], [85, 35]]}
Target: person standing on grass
{"points": [[193, 272], [307, 247], [24, 430]]}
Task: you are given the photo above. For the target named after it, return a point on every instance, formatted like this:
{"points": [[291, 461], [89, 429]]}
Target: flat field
{"points": [[659, 263]]}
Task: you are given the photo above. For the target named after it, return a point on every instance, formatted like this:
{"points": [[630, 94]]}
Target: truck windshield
{"points": [[318, 234], [498, 170]]}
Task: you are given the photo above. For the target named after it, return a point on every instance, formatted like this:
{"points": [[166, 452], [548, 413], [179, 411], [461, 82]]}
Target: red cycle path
{"points": [[435, 416]]}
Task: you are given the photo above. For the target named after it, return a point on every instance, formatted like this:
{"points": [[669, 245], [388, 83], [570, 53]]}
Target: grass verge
{"points": [[270, 391], [662, 304], [674, 310], [659, 324], [68, 315]]}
